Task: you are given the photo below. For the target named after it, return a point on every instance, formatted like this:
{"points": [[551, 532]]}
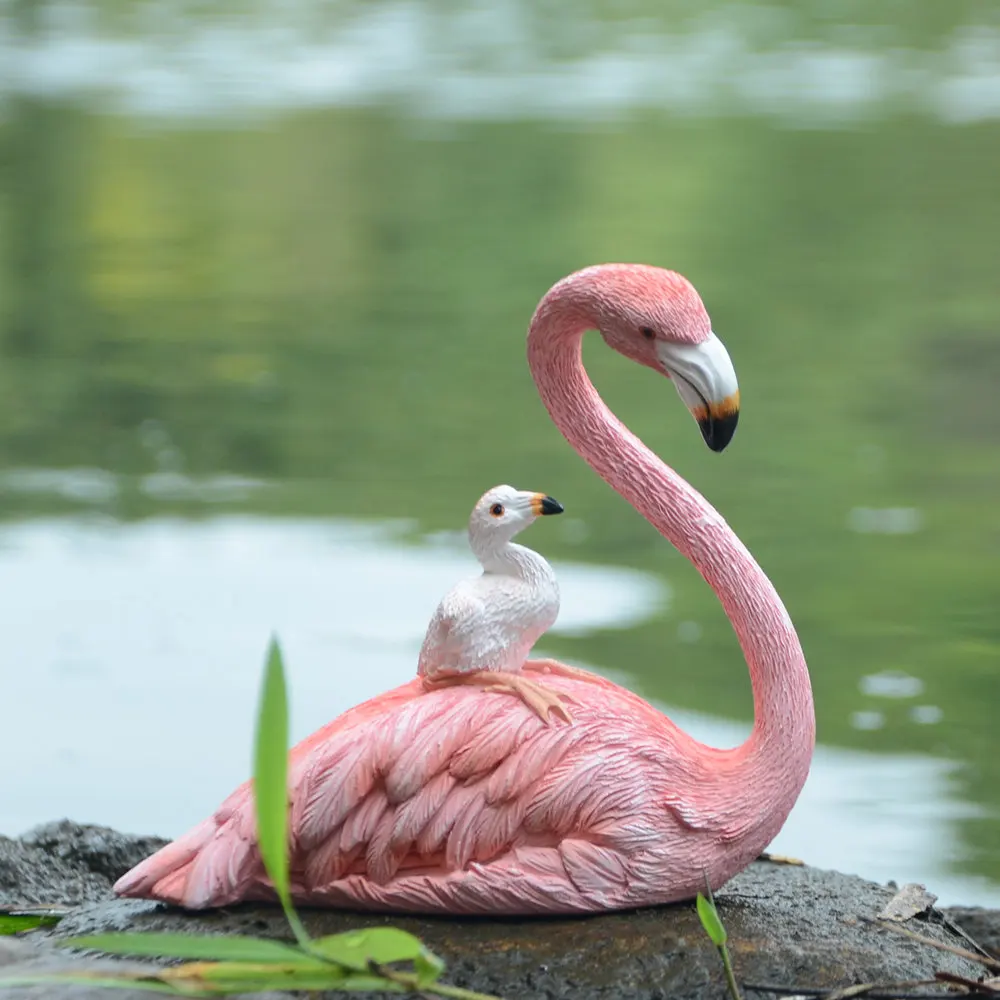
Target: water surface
{"points": [[277, 265], [138, 652]]}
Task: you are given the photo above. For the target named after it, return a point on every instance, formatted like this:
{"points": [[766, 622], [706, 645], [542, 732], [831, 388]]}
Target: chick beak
{"points": [[542, 504]]}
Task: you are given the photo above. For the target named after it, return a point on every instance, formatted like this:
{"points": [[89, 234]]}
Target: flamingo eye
{"points": [[497, 510], [648, 332]]}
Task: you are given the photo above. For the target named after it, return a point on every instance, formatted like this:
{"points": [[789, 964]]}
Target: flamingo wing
{"points": [[454, 800]]}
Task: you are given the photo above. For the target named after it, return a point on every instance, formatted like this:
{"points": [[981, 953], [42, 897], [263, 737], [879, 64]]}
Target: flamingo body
{"points": [[462, 800], [456, 801]]}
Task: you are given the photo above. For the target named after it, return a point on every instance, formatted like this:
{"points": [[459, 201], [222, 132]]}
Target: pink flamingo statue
{"points": [[461, 801], [484, 628]]}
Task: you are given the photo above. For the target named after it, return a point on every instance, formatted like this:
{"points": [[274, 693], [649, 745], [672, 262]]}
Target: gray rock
{"points": [[980, 924], [793, 926], [66, 863], [97, 849], [26, 956], [30, 875]]}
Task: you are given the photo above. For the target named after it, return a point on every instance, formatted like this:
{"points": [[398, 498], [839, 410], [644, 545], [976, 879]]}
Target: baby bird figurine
{"points": [[485, 627]]}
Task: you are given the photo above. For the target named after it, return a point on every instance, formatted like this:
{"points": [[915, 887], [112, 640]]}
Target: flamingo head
{"points": [[656, 317], [500, 513]]}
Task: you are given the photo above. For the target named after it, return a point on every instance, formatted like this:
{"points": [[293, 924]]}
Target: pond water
{"points": [[138, 653], [264, 282], [139, 648]]}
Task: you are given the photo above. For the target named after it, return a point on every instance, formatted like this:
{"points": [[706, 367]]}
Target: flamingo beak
{"points": [[542, 504], [706, 382]]}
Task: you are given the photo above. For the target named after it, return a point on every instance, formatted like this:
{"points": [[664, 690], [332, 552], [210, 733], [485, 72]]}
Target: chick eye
{"points": [[497, 510], [648, 332]]}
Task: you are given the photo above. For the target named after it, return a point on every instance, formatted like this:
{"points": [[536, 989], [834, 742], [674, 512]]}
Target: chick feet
{"points": [[543, 701]]}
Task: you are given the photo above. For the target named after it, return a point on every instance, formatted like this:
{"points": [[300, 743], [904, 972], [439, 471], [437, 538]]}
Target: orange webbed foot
{"points": [[543, 701], [549, 666]]}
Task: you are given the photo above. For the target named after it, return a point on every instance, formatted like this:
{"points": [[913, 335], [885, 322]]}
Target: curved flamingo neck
{"points": [[778, 752]]}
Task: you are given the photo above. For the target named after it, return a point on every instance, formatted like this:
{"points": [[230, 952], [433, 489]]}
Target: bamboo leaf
{"points": [[271, 783], [359, 983], [243, 972], [428, 967], [241, 977], [357, 950], [15, 923], [190, 946], [200, 979], [102, 980], [271, 771], [711, 921], [312, 982]]}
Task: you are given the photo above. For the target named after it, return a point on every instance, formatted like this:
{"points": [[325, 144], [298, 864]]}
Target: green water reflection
{"points": [[336, 301]]}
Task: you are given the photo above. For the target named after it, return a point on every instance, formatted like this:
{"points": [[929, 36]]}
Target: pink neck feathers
{"points": [[778, 752]]}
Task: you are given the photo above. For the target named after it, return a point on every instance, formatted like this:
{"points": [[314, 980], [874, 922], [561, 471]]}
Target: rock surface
{"points": [[67, 863], [980, 924], [97, 849], [788, 925]]}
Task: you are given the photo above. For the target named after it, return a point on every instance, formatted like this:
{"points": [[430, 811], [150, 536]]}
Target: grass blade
{"points": [[711, 921], [194, 947], [428, 968], [357, 950], [714, 928], [310, 982], [15, 923], [271, 783], [359, 983], [271, 770], [98, 981], [210, 974]]}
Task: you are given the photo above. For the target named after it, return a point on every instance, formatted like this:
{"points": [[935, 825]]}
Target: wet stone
{"points": [[97, 849], [788, 925], [981, 924]]}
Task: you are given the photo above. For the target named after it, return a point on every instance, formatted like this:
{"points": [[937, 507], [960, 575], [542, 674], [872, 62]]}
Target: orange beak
{"points": [[542, 504]]}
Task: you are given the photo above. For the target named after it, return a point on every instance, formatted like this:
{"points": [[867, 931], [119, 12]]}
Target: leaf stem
{"points": [[727, 966], [412, 982], [708, 914], [298, 928]]}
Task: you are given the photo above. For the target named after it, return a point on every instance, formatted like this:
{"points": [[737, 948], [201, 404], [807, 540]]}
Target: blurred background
{"points": [[265, 274]]}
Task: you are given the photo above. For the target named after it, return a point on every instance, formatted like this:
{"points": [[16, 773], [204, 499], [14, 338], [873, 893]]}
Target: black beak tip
{"points": [[551, 506], [719, 431]]}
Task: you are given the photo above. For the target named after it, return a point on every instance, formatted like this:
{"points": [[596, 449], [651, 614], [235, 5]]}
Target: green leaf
{"points": [[190, 946], [711, 921], [271, 783], [209, 974], [383, 945], [306, 981], [428, 967], [15, 923], [271, 771], [242, 977], [103, 981], [358, 983], [204, 979]]}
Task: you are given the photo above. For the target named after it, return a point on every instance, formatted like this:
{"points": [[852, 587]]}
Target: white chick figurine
{"points": [[485, 627]]}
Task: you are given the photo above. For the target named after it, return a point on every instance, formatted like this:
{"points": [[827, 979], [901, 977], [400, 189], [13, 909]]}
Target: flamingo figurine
{"points": [[483, 629], [461, 801]]}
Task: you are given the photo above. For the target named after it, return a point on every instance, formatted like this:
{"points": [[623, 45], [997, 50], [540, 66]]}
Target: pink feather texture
{"points": [[464, 801]]}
